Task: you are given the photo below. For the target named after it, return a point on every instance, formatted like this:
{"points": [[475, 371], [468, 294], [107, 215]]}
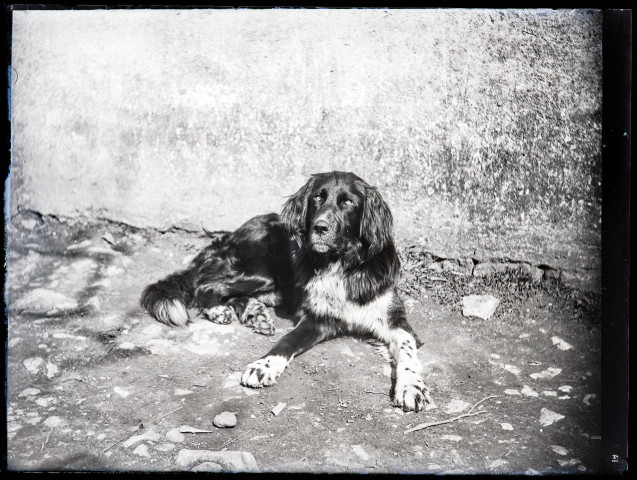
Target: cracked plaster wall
{"points": [[482, 129]]}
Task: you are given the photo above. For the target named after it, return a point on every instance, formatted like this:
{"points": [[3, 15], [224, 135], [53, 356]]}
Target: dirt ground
{"points": [[94, 383]]}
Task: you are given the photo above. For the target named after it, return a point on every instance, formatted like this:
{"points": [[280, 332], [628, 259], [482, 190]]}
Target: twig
{"points": [[236, 438], [119, 441], [468, 414], [433, 424], [165, 415], [377, 393], [107, 352], [478, 403], [47, 440]]}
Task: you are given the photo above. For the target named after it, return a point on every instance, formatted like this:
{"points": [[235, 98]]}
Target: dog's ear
{"points": [[376, 221], [294, 210]]}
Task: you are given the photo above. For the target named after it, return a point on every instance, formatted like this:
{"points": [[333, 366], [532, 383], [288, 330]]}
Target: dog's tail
{"points": [[167, 300]]}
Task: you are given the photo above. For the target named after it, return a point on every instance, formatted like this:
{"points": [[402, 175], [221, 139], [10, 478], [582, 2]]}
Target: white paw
{"points": [[411, 394], [264, 371], [220, 314], [257, 317]]}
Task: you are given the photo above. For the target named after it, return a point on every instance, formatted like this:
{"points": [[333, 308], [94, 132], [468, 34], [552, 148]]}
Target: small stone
{"points": [[506, 426], [53, 422], [33, 364], [548, 373], [225, 420], [561, 344], [142, 451], [548, 417], [28, 392], [175, 436], [207, 467], [229, 460], [559, 450], [480, 306], [529, 392], [360, 452]]}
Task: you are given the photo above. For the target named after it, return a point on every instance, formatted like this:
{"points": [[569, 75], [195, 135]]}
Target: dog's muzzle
{"points": [[323, 237]]}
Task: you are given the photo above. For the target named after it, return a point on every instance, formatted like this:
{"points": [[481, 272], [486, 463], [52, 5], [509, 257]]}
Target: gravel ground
{"points": [[95, 384]]}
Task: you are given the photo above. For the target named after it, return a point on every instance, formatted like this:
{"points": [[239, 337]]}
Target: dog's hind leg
{"points": [[239, 299]]}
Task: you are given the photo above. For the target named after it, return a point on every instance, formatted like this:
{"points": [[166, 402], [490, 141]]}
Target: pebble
{"points": [[33, 364], [360, 452], [142, 451], [175, 436], [225, 420], [559, 450], [53, 422], [207, 467], [29, 391], [230, 460], [481, 306], [548, 417]]}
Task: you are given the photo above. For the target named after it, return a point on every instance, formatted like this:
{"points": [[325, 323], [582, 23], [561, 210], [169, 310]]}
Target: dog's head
{"points": [[337, 211]]}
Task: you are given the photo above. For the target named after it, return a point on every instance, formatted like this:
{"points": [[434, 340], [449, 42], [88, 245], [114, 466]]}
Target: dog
{"points": [[329, 259]]}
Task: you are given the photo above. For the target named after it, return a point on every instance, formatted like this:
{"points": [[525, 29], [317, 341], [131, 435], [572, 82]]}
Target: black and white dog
{"points": [[329, 259]]}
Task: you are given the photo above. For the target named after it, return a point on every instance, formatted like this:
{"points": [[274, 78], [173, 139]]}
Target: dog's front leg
{"points": [[266, 370], [410, 391]]}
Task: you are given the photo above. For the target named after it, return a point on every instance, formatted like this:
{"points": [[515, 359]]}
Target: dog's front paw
{"points": [[264, 371], [412, 395], [257, 317], [220, 314]]}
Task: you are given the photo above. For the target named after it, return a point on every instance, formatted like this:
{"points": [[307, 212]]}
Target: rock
{"points": [[229, 460], [529, 392], [175, 436], [33, 364], [53, 422], [481, 306], [548, 373], [483, 269], [506, 426], [360, 452], [142, 451], [225, 420], [559, 450], [207, 467], [44, 301], [28, 392], [561, 344], [548, 417]]}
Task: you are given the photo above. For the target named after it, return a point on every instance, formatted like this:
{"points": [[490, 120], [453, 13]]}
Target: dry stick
{"points": [[47, 440], [236, 438], [468, 414], [119, 441], [165, 415]]}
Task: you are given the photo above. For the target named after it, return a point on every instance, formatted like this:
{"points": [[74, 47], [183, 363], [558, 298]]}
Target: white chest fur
{"points": [[326, 295]]}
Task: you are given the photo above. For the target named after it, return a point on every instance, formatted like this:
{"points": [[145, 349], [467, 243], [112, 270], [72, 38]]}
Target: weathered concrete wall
{"points": [[481, 128]]}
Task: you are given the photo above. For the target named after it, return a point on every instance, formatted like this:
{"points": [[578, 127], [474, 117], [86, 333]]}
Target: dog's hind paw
{"points": [[257, 317], [220, 314]]}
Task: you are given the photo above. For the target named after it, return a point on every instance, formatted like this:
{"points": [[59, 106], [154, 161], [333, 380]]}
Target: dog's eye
{"points": [[347, 202], [318, 198]]}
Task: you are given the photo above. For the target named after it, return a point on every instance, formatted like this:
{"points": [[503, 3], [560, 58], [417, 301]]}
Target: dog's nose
{"points": [[320, 227]]}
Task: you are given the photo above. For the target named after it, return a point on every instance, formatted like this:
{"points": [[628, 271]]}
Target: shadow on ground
{"points": [[95, 384]]}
